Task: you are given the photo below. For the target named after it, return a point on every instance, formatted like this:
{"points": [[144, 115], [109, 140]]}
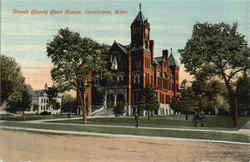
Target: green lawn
{"points": [[135, 131], [27, 117], [211, 122]]}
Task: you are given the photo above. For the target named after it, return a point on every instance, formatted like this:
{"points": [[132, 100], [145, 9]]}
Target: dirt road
{"points": [[32, 147]]}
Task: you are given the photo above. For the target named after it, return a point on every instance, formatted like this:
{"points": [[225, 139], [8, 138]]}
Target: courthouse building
{"points": [[136, 67]]}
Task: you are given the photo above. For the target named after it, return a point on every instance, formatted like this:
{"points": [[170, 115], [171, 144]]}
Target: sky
{"points": [[24, 36]]}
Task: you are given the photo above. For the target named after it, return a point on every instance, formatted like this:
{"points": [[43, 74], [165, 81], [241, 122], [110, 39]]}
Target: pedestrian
{"points": [[202, 118], [195, 118], [137, 120]]}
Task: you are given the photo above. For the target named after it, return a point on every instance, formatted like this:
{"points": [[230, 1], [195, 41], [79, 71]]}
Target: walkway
{"points": [[116, 135], [244, 130]]}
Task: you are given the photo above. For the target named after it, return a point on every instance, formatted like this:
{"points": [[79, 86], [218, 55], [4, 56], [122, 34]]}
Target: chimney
{"points": [[165, 53], [152, 49]]}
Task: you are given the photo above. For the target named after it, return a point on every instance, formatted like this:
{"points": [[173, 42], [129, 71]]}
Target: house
{"points": [[43, 101]]}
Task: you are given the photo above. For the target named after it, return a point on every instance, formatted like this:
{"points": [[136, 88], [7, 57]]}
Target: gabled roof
{"points": [[171, 61], [123, 48]]}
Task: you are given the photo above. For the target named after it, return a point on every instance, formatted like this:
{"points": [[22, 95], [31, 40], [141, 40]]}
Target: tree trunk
{"points": [[186, 116], [148, 115], [84, 112], [233, 105]]}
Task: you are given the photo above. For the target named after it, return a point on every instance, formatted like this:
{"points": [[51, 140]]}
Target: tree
{"points": [[243, 93], [35, 107], [11, 77], [187, 102], [68, 103], [52, 94], [75, 60], [184, 84], [217, 50], [19, 100], [119, 108], [148, 101]]}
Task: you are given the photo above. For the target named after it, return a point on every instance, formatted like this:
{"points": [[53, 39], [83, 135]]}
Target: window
{"points": [[114, 65], [159, 74], [152, 80]]}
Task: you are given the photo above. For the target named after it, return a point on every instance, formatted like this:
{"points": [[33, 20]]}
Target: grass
{"points": [[135, 131], [211, 122], [28, 117]]}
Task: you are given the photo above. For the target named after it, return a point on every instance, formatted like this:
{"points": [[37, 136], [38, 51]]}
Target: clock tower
{"points": [[140, 31], [141, 54]]}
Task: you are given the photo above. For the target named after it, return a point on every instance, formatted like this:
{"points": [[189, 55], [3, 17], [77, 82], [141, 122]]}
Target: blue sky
{"points": [[24, 37]]}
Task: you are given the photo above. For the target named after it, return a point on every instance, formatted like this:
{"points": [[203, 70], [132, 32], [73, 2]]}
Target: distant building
{"points": [[43, 101]]}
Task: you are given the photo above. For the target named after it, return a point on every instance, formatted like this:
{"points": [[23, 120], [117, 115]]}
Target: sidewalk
{"points": [[50, 121], [115, 135], [246, 129], [120, 126]]}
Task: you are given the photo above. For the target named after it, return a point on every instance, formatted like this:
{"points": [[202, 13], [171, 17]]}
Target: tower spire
{"points": [[140, 6]]}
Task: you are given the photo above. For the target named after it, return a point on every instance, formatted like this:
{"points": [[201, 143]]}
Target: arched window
{"points": [[114, 65]]}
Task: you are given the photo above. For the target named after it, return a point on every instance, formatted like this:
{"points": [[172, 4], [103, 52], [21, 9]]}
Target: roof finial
{"points": [[140, 6], [171, 51]]}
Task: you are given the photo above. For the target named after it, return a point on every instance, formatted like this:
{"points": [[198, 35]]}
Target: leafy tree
{"points": [[119, 108], [11, 77], [222, 104], [243, 92], [184, 84], [187, 102], [19, 100], [217, 50], [52, 94], [35, 107], [148, 101], [110, 101], [75, 60], [174, 104], [68, 103]]}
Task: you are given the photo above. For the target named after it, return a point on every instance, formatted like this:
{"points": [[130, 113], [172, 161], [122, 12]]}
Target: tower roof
{"points": [[139, 19], [172, 61]]}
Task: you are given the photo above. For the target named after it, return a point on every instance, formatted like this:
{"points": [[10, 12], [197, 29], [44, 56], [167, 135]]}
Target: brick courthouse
{"points": [[136, 67]]}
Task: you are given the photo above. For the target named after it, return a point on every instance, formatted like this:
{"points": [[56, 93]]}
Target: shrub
{"points": [[45, 113]]}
